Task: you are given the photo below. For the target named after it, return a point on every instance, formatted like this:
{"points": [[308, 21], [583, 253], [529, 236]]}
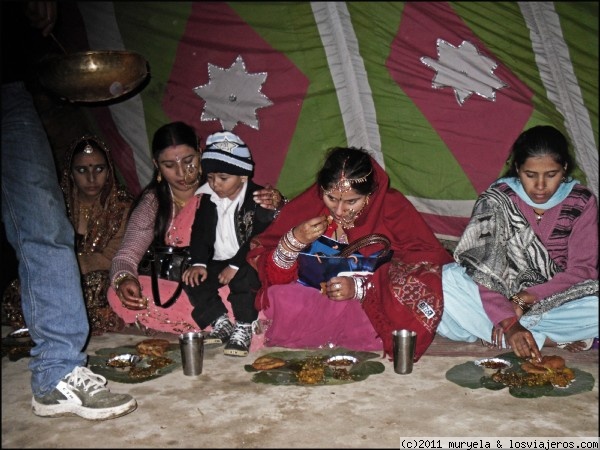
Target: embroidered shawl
{"points": [[500, 251]]}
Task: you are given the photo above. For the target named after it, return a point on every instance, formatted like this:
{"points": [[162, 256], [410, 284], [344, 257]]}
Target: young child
{"points": [[228, 217]]}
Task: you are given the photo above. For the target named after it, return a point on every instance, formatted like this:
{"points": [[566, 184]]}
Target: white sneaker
{"points": [[83, 393]]}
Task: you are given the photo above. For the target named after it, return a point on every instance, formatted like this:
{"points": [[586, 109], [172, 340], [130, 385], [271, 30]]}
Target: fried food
{"points": [[152, 347], [155, 363], [550, 370], [529, 367], [267, 363], [560, 378], [312, 371], [547, 363], [553, 362]]}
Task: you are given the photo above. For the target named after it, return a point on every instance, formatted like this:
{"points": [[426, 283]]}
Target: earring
{"points": [[564, 179], [159, 177]]}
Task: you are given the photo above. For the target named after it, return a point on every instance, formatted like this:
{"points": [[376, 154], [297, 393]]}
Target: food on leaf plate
{"points": [[547, 363], [152, 347], [550, 370], [267, 363]]}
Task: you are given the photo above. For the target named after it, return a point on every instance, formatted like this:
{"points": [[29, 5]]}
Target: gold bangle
{"points": [[122, 277], [517, 300]]}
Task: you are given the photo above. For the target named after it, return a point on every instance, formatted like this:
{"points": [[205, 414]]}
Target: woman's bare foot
{"points": [[573, 347], [487, 344]]}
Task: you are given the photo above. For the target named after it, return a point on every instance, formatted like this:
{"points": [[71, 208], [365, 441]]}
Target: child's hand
{"points": [[194, 275], [227, 274]]}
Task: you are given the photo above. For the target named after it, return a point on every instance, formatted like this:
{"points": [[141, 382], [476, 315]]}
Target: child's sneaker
{"points": [[221, 330], [239, 342], [83, 393]]}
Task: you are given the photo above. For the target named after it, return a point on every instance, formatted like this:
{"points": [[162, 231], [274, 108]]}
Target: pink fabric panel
{"points": [[300, 317]]}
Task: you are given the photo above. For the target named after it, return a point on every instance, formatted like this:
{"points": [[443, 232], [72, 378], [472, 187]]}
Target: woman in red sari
{"points": [[350, 199]]}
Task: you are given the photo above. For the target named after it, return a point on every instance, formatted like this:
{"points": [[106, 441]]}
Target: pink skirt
{"points": [[176, 319], [301, 317]]}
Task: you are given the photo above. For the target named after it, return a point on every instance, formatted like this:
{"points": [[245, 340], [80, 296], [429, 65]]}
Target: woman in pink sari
{"points": [[163, 215]]}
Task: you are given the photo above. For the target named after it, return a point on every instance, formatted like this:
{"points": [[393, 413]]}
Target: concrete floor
{"points": [[223, 408]]}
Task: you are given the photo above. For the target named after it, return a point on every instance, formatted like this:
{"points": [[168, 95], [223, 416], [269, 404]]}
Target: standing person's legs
{"points": [[34, 216], [37, 227]]}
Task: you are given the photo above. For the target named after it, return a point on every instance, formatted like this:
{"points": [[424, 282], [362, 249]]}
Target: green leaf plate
{"points": [[471, 376], [286, 375], [97, 364]]}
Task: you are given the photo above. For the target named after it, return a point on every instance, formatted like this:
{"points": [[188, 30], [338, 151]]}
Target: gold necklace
{"points": [[85, 211], [179, 203], [538, 216]]}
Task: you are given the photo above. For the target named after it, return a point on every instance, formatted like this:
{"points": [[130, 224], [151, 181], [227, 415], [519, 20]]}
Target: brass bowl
{"points": [[93, 76]]}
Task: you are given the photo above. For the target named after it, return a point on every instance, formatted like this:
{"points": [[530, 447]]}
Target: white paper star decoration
{"points": [[465, 70], [232, 95]]}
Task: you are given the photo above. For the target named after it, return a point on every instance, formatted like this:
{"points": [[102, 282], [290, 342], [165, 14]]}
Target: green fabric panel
{"points": [[579, 23], [159, 51]]}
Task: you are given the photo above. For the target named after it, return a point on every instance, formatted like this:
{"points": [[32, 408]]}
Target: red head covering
{"points": [[388, 212]]}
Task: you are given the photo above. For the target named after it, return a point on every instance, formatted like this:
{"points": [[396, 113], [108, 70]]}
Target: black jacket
{"points": [[250, 219]]}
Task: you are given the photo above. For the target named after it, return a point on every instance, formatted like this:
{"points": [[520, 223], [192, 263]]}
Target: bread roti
{"points": [[267, 363]]}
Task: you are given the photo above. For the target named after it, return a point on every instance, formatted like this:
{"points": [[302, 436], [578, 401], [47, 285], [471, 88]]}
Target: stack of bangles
{"points": [[360, 288], [517, 300], [283, 257]]}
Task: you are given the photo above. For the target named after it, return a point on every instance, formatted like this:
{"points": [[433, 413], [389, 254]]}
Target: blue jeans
{"points": [[37, 226]]}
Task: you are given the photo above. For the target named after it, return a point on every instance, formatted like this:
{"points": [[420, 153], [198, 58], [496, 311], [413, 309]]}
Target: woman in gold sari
{"points": [[98, 208]]}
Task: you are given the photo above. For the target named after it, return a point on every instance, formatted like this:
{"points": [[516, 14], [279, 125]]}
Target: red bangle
{"points": [[512, 323]]}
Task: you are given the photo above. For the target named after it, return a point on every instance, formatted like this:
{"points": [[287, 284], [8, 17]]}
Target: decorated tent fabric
{"points": [[437, 90]]}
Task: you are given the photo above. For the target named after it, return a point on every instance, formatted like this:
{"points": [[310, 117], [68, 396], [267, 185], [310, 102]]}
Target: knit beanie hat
{"points": [[225, 152]]}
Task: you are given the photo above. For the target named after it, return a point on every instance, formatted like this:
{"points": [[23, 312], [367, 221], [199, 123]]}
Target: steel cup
{"points": [[404, 343], [192, 353]]}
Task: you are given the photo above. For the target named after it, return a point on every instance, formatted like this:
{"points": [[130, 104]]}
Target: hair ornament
{"points": [[344, 184], [88, 149], [89, 139]]}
